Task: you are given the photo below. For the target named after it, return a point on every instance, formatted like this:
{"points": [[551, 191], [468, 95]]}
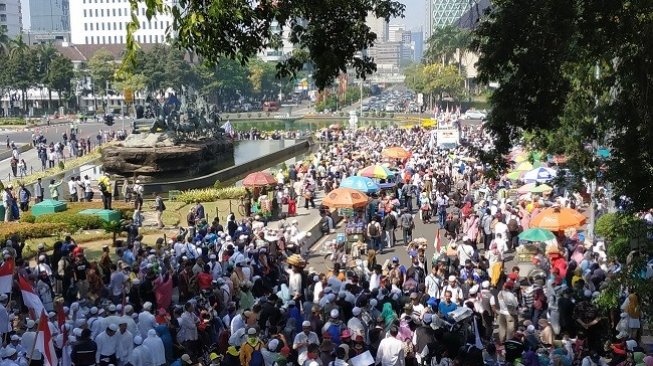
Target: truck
{"points": [[447, 137]]}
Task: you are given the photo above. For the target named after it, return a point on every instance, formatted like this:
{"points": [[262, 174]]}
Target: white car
{"points": [[390, 108], [475, 114]]}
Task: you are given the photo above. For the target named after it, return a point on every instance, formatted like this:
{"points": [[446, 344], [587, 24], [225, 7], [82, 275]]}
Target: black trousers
{"points": [[107, 360], [106, 200]]}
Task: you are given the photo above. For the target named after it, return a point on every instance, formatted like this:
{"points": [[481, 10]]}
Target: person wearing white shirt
{"points": [[5, 326], [433, 283], [154, 343], [107, 346], [146, 320], [355, 325], [29, 338], [318, 288], [140, 355], [302, 340], [391, 350], [125, 344], [505, 303], [375, 278], [456, 291], [72, 190]]}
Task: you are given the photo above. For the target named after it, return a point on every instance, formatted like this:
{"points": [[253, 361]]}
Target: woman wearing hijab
{"points": [[388, 315], [166, 338]]}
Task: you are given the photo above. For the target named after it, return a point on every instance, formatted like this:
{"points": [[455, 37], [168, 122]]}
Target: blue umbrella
{"points": [[363, 184]]}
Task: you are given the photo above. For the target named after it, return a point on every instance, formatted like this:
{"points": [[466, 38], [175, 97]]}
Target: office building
{"points": [[428, 19], [447, 12], [378, 26], [105, 22], [10, 17], [386, 55], [418, 45], [278, 54]]}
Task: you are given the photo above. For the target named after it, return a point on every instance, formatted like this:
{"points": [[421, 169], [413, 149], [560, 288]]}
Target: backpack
{"points": [[257, 357], [374, 229], [407, 221]]}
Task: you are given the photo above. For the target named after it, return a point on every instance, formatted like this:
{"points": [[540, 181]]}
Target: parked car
{"points": [[270, 106]]}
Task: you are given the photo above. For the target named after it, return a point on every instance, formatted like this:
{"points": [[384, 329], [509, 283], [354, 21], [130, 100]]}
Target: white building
{"points": [[379, 26], [10, 19], [105, 22]]}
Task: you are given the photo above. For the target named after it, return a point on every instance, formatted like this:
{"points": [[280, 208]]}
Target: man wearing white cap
{"points": [[15, 344], [28, 342], [10, 357], [107, 346], [355, 325], [154, 343], [456, 291], [302, 340], [271, 354], [188, 329], [146, 319], [125, 343], [140, 355]]}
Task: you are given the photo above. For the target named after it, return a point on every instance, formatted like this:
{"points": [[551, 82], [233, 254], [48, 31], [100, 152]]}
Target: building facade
{"points": [[10, 20], [105, 22], [418, 46], [446, 12], [378, 26]]}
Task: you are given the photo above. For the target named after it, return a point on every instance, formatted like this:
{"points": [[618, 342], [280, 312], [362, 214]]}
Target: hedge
{"points": [[13, 121], [73, 221], [211, 194], [29, 231]]}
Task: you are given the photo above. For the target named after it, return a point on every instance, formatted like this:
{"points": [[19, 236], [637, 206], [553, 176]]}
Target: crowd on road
{"points": [[239, 293]]}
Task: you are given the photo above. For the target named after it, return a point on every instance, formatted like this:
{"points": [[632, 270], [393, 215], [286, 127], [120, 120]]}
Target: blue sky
{"points": [[414, 14]]}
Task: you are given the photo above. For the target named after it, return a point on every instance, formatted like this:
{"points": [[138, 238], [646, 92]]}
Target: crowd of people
{"points": [[239, 294]]}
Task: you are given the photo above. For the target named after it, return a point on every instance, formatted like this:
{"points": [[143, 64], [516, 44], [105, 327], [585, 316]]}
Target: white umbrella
{"points": [[539, 175]]}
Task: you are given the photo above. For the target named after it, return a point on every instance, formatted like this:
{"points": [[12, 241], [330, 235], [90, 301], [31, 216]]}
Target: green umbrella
{"points": [[536, 234]]}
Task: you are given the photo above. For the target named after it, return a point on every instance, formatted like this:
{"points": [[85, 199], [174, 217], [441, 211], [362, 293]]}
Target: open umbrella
{"points": [[524, 166], [345, 198], [536, 234], [259, 179], [541, 189], [376, 171], [558, 218], [539, 175], [526, 188], [514, 175], [363, 184], [396, 152]]}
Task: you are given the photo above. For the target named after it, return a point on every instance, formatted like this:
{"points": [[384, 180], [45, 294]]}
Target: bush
{"points": [[74, 221], [29, 218], [29, 231], [13, 121], [61, 165], [211, 194], [217, 184]]}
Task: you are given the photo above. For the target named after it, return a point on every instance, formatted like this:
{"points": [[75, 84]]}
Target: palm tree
{"points": [[17, 47], [447, 42], [4, 41]]}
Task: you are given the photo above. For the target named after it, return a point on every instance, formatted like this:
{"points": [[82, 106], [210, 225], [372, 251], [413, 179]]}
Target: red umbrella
{"points": [[259, 179]]}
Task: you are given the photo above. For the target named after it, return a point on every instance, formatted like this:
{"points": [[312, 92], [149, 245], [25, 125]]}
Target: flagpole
{"points": [[31, 354]]}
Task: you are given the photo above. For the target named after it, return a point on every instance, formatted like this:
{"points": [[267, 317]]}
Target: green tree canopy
{"points": [[333, 32], [102, 69], [545, 56]]}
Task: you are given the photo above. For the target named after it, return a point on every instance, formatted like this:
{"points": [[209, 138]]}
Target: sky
{"points": [[414, 15]]}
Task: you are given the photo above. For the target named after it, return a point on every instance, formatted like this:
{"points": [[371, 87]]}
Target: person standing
{"points": [[188, 329], [72, 190], [28, 341], [54, 189], [505, 304], [84, 350], [391, 350], [7, 202], [104, 184], [159, 206], [38, 191], [88, 189], [107, 346]]}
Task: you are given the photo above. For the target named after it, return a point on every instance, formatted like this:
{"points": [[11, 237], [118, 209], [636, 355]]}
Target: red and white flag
{"points": [[30, 298], [7, 276], [437, 243], [44, 342]]}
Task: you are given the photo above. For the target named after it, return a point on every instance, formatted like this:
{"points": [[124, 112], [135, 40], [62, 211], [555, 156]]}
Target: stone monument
{"points": [[167, 143]]}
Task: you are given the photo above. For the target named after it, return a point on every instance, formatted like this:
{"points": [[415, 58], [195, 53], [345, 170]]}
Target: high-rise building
{"points": [[278, 54], [379, 26], [45, 20], [105, 22], [394, 32], [418, 45], [447, 12], [428, 19], [10, 17]]}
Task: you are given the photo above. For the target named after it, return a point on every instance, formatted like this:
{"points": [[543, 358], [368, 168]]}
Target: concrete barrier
{"points": [[232, 173], [21, 149]]}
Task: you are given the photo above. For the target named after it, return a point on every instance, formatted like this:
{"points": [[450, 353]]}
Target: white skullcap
{"points": [[373, 302], [428, 318], [113, 327], [138, 340], [273, 344], [306, 323], [473, 290], [30, 323], [147, 306], [356, 311], [485, 284], [334, 313]]}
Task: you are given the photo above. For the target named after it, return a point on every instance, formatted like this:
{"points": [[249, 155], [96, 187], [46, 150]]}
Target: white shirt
{"points": [[5, 326], [456, 293], [141, 356], [155, 345], [317, 290], [72, 187], [375, 281], [504, 298], [237, 323], [27, 342], [390, 352], [106, 345], [146, 321], [125, 345], [187, 323], [298, 344], [432, 286]]}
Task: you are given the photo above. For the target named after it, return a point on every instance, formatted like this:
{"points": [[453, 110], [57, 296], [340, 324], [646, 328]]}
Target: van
{"points": [[270, 106]]}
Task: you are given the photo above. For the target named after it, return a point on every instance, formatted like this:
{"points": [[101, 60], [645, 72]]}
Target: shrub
{"points": [[73, 221], [12, 121], [217, 184], [211, 194], [29, 218], [28, 231], [61, 165]]}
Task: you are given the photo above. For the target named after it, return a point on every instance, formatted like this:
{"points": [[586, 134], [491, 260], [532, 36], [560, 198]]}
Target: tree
{"points": [[447, 42], [435, 80], [333, 32], [223, 83], [102, 69], [4, 41], [45, 54], [579, 69], [21, 69], [60, 76]]}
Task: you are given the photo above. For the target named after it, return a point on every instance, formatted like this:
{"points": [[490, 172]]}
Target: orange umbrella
{"points": [[558, 219], [259, 179], [396, 153], [345, 198]]}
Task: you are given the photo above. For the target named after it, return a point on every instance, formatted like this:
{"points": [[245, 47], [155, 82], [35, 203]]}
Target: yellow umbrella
{"points": [[524, 167], [521, 158]]}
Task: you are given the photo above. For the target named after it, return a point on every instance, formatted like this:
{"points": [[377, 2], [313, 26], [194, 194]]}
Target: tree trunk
{"points": [[49, 99]]}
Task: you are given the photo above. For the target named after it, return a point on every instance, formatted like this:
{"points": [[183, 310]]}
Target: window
{"points": [[115, 26], [85, 26], [104, 40], [155, 25], [101, 12], [122, 40], [161, 24], [84, 10], [96, 12], [115, 39], [150, 38], [91, 26], [102, 25], [113, 12], [97, 39], [86, 39]]}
